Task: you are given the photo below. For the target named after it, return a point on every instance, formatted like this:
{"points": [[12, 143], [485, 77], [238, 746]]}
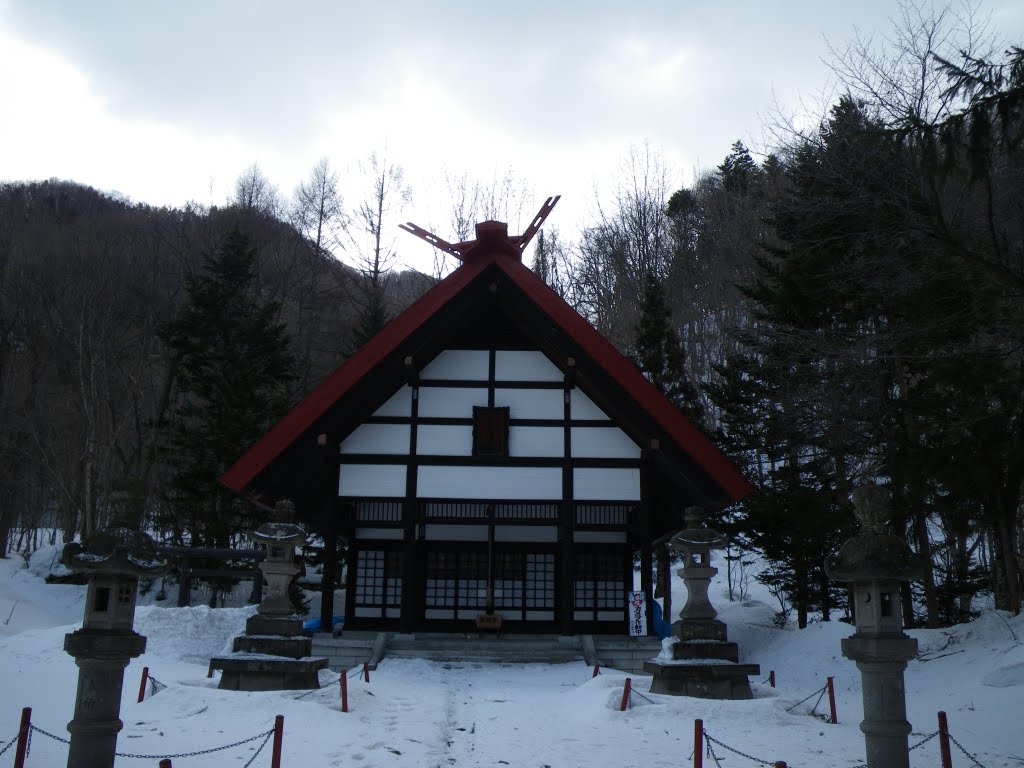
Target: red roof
{"points": [[646, 395]]}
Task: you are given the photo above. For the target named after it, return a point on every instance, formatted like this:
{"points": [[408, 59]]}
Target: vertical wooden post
{"points": [[344, 690], [166, 763], [597, 670], [832, 701], [698, 743], [275, 756], [366, 671], [23, 734], [625, 694], [666, 614], [947, 759], [771, 678], [142, 684], [184, 583], [256, 591]]}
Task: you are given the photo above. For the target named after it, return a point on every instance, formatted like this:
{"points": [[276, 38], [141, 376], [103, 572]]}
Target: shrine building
{"points": [[488, 452]]}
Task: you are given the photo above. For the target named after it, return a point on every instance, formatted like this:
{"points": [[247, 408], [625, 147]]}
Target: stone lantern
{"points": [[114, 559], [695, 542], [274, 653], [703, 662], [876, 563], [280, 536]]}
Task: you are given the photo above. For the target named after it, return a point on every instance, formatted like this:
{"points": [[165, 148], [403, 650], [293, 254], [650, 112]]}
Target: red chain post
{"points": [[344, 690], [832, 701], [366, 670], [166, 763], [947, 759], [698, 743], [625, 694], [771, 678], [142, 684], [597, 670], [23, 734], [275, 756]]}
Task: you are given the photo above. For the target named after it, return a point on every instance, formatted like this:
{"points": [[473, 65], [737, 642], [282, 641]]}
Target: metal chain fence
{"points": [[711, 740], [263, 735]]}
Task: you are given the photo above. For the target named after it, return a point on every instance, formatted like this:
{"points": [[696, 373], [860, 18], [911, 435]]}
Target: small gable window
{"points": [[490, 431]]}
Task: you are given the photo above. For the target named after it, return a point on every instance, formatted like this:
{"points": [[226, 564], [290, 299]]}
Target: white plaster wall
{"points": [[450, 402], [438, 440], [603, 443], [583, 407], [525, 483], [540, 615], [379, 533], [599, 537], [461, 364], [372, 480], [536, 441], [399, 404], [378, 438], [606, 484], [524, 366], [531, 403], [532, 533], [438, 532]]}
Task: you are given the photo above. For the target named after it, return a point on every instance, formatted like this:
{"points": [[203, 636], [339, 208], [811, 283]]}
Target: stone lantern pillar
{"points": [[698, 617], [876, 563], [114, 558], [274, 653], [703, 662], [280, 537]]}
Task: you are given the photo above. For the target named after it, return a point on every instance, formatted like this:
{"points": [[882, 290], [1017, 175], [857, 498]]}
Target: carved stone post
{"points": [[114, 558], [876, 562], [703, 661], [698, 618]]}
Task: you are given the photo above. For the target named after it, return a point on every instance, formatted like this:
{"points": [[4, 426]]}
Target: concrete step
{"points": [[626, 654], [532, 657], [520, 649], [343, 652]]}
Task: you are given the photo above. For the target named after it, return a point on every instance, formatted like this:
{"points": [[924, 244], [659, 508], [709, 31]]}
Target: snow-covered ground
{"points": [[418, 713]]}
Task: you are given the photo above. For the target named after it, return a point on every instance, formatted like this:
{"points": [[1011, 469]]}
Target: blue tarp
{"points": [[313, 625], [662, 628]]}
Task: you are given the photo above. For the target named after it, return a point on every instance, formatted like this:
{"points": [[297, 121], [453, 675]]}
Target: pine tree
{"points": [[372, 319], [658, 352], [234, 371]]}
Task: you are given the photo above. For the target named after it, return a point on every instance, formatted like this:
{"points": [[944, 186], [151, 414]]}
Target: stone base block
{"points": [[288, 626], [706, 649], [274, 645], [268, 673], [702, 681], [700, 629]]}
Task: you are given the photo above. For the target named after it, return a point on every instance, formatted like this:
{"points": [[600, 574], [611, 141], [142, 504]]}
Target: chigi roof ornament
{"points": [[491, 236]]}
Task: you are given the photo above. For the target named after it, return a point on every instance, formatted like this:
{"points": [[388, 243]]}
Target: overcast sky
{"points": [[167, 102]]}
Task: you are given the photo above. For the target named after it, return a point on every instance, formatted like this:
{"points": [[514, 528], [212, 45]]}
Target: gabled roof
{"points": [[564, 318]]}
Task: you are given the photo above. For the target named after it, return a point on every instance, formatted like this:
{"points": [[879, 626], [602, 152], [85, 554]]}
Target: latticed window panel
{"points": [[540, 581], [378, 583], [598, 592], [524, 585]]}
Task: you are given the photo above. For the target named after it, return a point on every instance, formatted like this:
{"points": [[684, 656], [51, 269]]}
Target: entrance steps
{"points": [[356, 648], [353, 649], [625, 653], [507, 649]]}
